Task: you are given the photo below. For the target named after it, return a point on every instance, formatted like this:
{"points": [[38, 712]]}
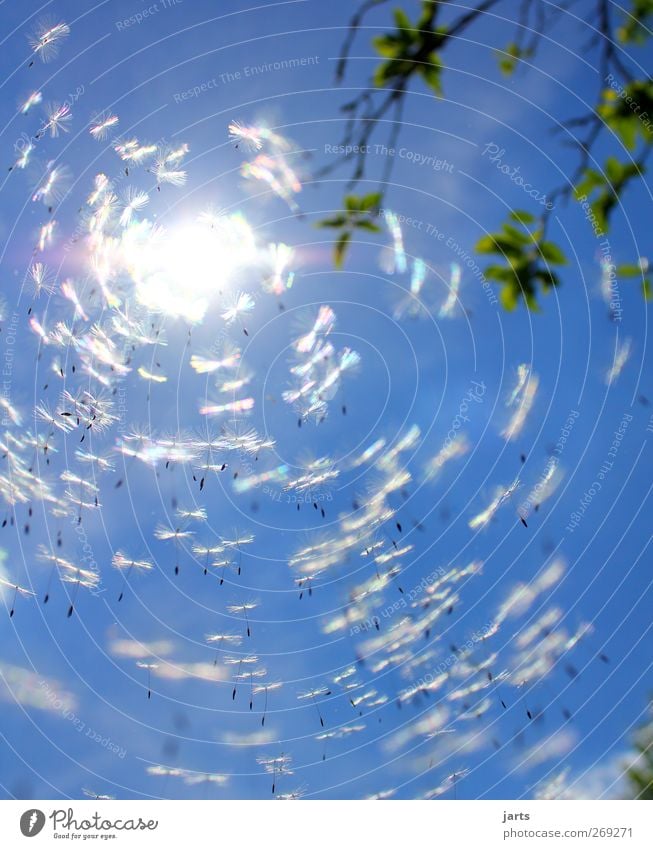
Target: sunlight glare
{"points": [[177, 271]]}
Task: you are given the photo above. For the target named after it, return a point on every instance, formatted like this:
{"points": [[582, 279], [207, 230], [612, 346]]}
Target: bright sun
{"points": [[178, 270]]}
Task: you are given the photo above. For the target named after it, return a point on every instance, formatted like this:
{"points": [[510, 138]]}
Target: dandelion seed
{"points": [[312, 695], [149, 667], [46, 235], [399, 263], [10, 411], [249, 136], [69, 292], [241, 304], [447, 308], [279, 257], [134, 201], [242, 405], [244, 608], [523, 394], [204, 365], [165, 173], [281, 179], [46, 39], [101, 124], [124, 564], [621, 357], [30, 101], [17, 590], [177, 535], [58, 118], [24, 157], [53, 184]]}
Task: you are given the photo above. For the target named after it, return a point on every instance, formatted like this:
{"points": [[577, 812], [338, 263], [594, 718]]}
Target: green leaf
{"points": [[425, 20], [486, 245], [432, 77], [629, 270], [517, 236], [340, 248], [591, 180], [503, 273], [391, 70], [504, 244], [338, 221], [647, 291], [626, 129], [521, 271], [506, 66], [371, 201], [402, 20], [366, 224], [387, 46], [531, 301], [602, 208], [509, 298], [635, 28], [606, 193], [510, 56], [547, 278], [613, 169], [510, 247], [522, 216], [552, 253]]}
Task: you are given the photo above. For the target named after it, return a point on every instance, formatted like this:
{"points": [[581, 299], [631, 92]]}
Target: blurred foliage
{"points": [[604, 187], [636, 23], [528, 260], [359, 213], [639, 271], [640, 774], [409, 50], [629, 112], [413, 51], [510, 56]]}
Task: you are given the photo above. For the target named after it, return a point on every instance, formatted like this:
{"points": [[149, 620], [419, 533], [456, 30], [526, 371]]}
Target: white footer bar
{"points": [[214, 824]]}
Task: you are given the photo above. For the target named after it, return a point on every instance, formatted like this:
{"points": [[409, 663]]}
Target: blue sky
{"points": [[412, 372]]}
